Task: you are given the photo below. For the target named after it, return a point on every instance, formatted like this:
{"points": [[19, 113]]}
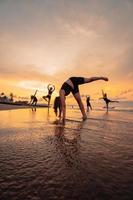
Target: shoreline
{"points": [[13, 107]]}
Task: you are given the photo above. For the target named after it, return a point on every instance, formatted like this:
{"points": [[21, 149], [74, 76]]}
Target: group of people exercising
{"points": [[71, 85], [47, 98]]}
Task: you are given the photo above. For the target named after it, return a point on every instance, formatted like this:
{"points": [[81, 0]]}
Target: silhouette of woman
{"points": [[88, 103], [51, 89], [34, 99], [107, 101], [72, 85]]}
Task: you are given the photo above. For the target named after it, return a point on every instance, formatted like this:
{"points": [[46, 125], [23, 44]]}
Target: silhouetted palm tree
{"points": [[11, 96]]}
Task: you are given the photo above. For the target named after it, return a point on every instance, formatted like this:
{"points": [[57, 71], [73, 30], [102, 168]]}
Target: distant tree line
{"points": [[4, 98]]}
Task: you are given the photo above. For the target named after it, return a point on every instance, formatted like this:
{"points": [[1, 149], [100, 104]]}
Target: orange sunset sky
{"points": [[46, 41]]}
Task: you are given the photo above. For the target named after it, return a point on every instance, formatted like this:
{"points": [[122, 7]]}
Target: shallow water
{"points": [[40, 159]]}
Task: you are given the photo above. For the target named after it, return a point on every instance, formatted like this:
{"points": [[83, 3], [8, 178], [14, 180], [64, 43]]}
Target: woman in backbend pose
{"points": [[51, 89], [107, 101], [72, 85]]}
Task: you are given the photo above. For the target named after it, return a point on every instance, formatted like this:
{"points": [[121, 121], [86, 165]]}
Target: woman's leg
{"points": [[63, 105], [49, 98], [90, 107], [88, 80], [81, 106], [107, 105], [114, 101], [45, 98], [59, 112]]}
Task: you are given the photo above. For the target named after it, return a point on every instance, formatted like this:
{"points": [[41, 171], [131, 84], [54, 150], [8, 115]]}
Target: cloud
{"points": [[33, 85], [126, 92], [126, 63]]}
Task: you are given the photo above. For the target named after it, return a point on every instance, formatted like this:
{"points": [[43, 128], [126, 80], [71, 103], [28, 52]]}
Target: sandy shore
{"points": [[89, 159]]}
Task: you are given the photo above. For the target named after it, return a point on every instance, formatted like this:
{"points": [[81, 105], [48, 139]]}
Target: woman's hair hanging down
{"points": [[57, 105]]}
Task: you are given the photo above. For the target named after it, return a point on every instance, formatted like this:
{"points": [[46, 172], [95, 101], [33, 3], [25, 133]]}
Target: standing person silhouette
{"points": [[34, 99], [51, 89], [107, 101], [88, 103], [72, 85]]}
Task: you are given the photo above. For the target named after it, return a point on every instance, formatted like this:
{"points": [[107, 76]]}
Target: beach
{"points": [[10, 107], [42, 159]]}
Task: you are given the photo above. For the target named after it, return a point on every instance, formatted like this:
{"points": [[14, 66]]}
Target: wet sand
{"points": [[13, 107], [41, 159], [10, 107]]}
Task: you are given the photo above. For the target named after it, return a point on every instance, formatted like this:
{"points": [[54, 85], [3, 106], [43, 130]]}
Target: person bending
{"points": [[72, 85]]}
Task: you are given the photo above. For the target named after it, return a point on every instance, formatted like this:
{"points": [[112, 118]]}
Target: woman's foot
{"points": [[105, 78]]}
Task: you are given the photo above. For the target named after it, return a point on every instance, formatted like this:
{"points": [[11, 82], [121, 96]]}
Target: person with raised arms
{"points": [[51, 89], [107, 100]]}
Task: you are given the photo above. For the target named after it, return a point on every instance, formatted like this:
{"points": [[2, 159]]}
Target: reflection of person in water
{"points": [[72, 85], [67, 144], [107, 101], [51, 89], [88, 103], [57, 106], [34, 99]]}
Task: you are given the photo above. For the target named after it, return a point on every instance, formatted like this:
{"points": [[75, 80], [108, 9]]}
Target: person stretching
{"points": [[88, 103], [51, 89], [107, 101], [72, 85]]}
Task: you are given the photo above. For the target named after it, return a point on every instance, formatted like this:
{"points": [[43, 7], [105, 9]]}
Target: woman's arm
{"points": [[53, 88]]}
